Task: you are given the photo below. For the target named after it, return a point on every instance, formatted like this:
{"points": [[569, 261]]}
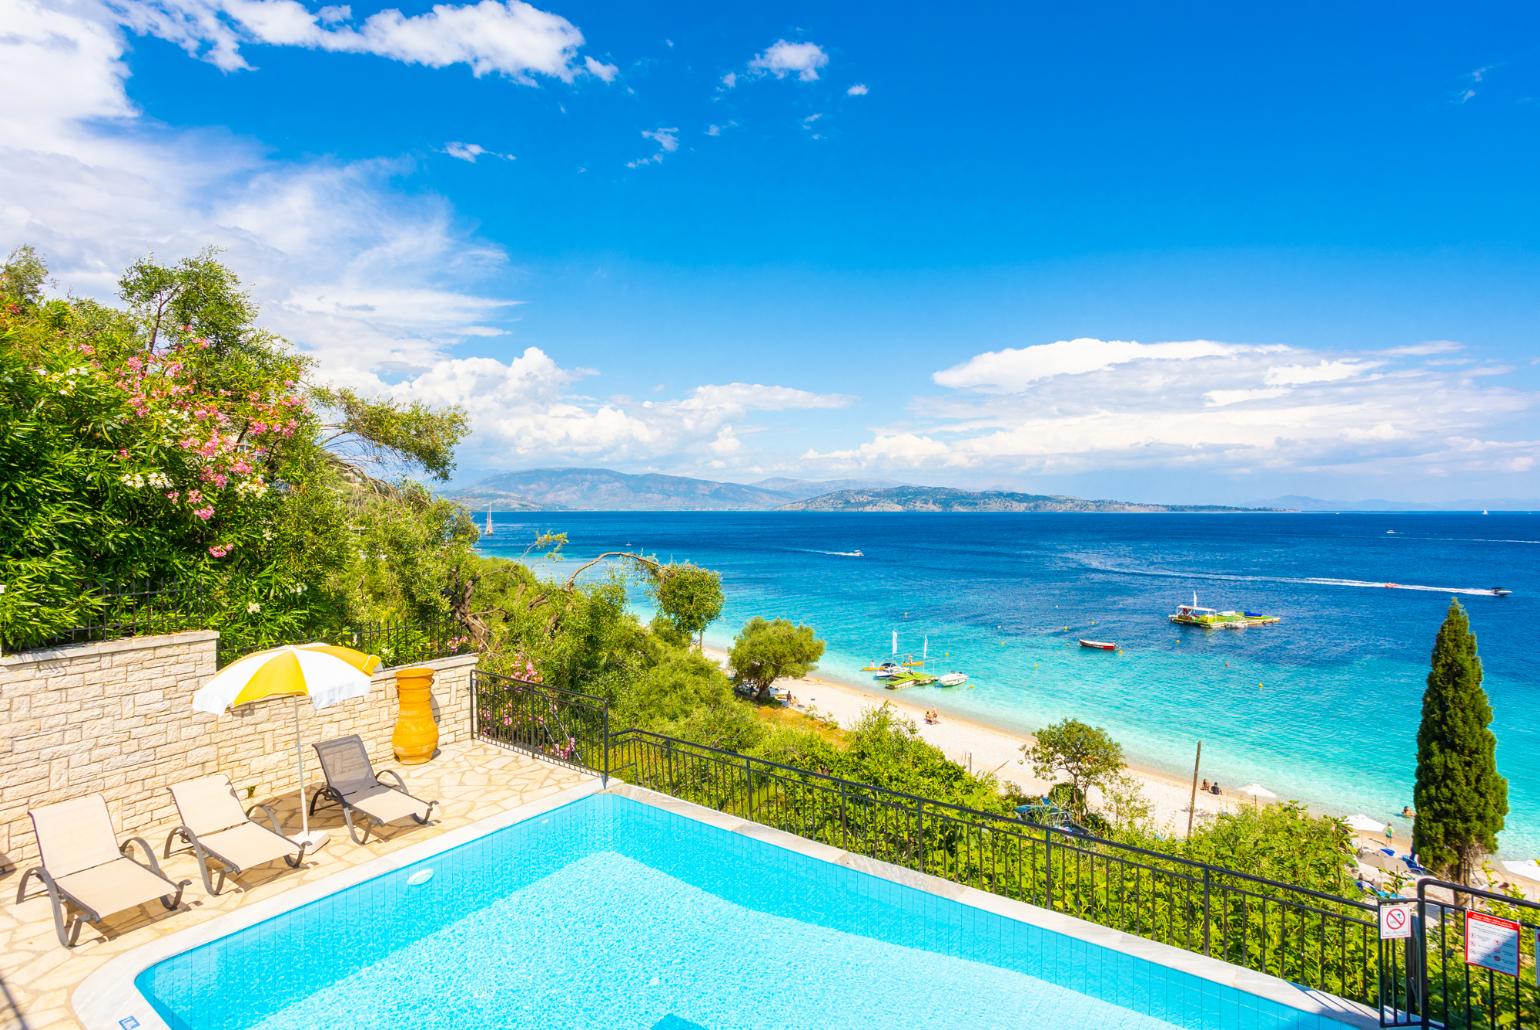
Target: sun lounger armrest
{"points": [[272, 817], [400, 783], [149, 853]]}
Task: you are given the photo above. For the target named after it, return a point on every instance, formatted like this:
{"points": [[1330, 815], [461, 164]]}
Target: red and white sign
{"points": [[1396, 921], [1492, 943]]}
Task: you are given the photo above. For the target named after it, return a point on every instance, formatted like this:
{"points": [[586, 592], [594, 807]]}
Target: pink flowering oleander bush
{"points": [[171, 441]]}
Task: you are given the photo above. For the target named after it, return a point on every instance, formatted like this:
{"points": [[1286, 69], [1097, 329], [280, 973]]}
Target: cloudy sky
{"points": [[1156, 253]]}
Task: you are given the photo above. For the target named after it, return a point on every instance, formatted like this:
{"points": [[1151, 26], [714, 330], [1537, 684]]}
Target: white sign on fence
{"points": [[1396, 921], [1492, 943]]}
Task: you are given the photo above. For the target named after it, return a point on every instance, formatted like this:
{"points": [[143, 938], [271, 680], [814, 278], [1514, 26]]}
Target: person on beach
{"points": [[1407, 813], [1390, 832], [1205, 784], [1215, 789]]}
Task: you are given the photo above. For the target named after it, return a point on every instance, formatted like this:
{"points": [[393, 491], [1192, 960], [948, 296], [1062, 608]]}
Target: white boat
{"points": [[488, 530], [952, 679]]}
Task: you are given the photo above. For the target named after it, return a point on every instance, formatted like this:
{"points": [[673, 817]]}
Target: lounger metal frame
{"points": [[227, 867], [330, 793], [67, 926]]}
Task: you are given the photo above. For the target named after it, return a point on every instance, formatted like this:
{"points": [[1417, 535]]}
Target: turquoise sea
{"points": [[1322, 707]]}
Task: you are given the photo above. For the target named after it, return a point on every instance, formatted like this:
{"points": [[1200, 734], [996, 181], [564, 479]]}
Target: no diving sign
{"points": [[1396, 921]]}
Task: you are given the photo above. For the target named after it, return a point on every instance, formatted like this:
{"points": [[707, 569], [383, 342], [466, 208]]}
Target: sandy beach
{"points": [[983, 748]]}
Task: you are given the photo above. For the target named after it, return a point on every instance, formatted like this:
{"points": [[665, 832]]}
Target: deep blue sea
{"points": [[1322, 707]]}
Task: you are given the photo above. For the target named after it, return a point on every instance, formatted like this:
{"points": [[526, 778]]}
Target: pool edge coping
{"points": [[1204, 967], [108, 995]]}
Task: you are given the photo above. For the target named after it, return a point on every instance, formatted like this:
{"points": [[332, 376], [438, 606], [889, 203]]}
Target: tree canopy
{"points": [[174, 443], [689, 597], [1460, 797], [1086, 754], [767, 650]]}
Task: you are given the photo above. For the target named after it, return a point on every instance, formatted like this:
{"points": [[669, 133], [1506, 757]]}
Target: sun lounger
{"points": [[216, 827], [87, 873], [352, 782]]}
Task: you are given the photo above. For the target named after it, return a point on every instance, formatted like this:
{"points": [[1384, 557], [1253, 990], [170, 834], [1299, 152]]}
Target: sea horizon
{"points": [[1321, 708]]}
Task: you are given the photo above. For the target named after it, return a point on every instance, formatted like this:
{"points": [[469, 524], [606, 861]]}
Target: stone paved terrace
{"points": [[471, 781]]}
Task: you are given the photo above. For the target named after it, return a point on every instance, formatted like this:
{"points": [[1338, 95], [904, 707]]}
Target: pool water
{"points": [[612, 913]]}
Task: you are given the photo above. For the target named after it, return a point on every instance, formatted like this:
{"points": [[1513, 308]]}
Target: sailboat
{"points": [[488, 530]]}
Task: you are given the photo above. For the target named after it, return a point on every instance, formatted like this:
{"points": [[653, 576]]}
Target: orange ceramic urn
{"points": [[416, 735]]}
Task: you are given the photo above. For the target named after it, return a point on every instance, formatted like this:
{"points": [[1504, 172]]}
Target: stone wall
{"points": [[116, 718]]}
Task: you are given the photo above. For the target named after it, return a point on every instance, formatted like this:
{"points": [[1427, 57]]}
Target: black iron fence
{"points": [[561, 725], [1327, 942], [1469, 960], [1432, 977], [119, 610], [170, 606]]}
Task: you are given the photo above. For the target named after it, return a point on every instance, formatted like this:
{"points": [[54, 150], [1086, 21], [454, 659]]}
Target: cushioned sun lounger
{"points": [[216, 827], [88, 875], [352, 782]]}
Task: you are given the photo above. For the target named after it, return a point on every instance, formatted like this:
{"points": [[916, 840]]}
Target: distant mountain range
{"points": [[591, 489], [931, 498]]}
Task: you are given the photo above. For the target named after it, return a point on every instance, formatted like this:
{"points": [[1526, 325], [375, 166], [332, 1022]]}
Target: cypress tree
{"points": [[1461, 800]]}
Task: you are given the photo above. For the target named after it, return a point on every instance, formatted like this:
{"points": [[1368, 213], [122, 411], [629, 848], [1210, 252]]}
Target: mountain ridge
{"points": [[599, 489], [949, 499]]}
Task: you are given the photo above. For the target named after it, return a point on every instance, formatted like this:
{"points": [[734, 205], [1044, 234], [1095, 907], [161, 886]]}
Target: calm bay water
{"points": [[1322, 707]]}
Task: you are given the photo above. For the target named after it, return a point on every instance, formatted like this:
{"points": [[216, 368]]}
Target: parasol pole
{"points": [[319, 837]]}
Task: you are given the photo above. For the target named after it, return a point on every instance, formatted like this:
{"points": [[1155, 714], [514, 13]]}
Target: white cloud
{"points": [[667, 141], [730, 80], [1015, 368], [527, 408], [1073, 406], [1323, 371], [858, 90], [599, 70], [471, 151], [1220, 398], [784, 58], [726, 443], [507, 37], [359, 274], [1425, 348]]}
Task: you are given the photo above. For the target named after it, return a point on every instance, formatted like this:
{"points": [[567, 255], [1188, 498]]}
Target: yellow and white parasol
{"points": [[325, 673]]}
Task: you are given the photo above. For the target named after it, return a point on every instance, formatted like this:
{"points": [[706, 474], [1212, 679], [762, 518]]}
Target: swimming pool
{"points": [[608, 912]]}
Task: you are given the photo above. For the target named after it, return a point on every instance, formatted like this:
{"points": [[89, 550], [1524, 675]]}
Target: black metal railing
{"points": [[1319, 940], [1436, 983], [549, 722], [114, 611], [1327, 942], [117, 611]]}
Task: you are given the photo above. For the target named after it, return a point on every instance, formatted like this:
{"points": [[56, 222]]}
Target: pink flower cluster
{"points": [[228, 438]]}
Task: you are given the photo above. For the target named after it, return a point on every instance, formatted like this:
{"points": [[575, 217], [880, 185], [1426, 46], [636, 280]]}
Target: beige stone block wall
{"points": [[116, 718]]}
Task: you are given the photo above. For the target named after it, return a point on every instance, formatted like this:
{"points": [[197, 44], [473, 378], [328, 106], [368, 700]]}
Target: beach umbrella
{"points": [[1257, 793], [325, 673], [1363, 824]]}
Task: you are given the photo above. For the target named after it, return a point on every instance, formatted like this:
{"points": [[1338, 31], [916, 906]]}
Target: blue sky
{"points": [[1173, 253]]}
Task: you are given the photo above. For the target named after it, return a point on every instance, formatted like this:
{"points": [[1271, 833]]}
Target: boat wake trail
{"points": [[835, 554], [1319, 581]]}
